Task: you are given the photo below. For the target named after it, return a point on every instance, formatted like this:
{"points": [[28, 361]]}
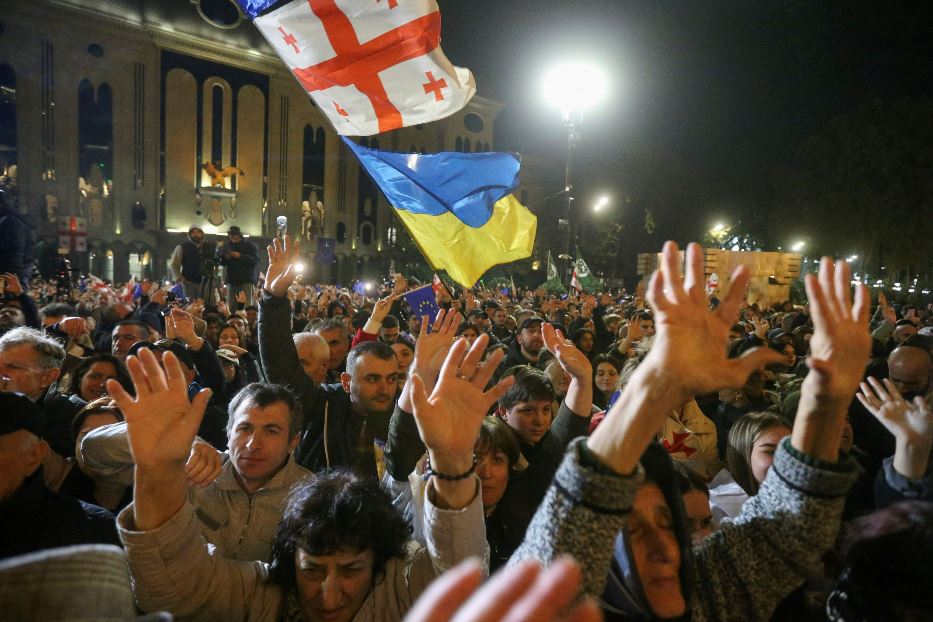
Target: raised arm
{"points": [[688, 358], [449, 419], [579, 398], [161, 423], [404, 446], [594, 488], [906, 474], [276, 347]]}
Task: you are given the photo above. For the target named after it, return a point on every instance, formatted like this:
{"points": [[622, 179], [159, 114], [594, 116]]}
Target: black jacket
{"points": [[242, 269], [36, 518], [330, 428], [59, 411]]}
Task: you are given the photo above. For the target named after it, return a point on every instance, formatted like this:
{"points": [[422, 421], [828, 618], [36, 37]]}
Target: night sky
{"points": [[729, 88]]}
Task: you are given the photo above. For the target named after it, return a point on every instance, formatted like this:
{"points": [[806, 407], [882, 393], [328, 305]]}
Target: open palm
{"points": [[449, 419], [160, 420], [281, 272], [909, 422], [432, 348], [691, 340]]}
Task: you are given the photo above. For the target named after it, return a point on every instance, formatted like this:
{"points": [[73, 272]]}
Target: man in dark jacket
{"points": [[17, 252], [187, 260], [241, 259], [32, 517], [342, 423], [526, 347], [31, 364]]}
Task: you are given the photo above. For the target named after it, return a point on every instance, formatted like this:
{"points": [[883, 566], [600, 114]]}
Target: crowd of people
{"points": [[277, 450]]}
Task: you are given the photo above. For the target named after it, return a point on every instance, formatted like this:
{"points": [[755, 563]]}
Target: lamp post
{"points": [[572, 88]]}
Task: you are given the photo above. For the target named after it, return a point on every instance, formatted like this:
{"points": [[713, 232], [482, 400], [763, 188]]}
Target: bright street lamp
{"points": [[601, 203], [572, 88], [798, 246]]}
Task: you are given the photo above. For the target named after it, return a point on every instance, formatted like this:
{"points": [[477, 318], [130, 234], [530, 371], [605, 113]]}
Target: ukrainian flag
{"points": [[458, 207]]}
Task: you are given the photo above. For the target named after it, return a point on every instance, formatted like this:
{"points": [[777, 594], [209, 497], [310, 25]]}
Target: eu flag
{"points": [[458, 207], [422, 301]]}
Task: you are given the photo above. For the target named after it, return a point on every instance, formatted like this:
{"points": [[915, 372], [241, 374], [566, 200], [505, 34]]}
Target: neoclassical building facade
{"points": [[124, 122]]}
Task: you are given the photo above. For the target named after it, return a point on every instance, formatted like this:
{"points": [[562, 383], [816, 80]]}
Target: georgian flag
{"points": [[575, 281], [370, 65]]}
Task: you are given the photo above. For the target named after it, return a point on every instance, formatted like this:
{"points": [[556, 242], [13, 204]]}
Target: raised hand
{"points": [[281, 272], [839, 350], [841, 343], [12, 284], [179, 324], [382, 306], [431, 348], [688, 357], [579, 398], [691, 340], [525, 592], [571, 358], [161, 421], [449, 419], [911, 423]]}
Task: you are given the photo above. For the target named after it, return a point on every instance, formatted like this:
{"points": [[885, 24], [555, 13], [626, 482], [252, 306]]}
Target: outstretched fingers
{"points": [[438, 320], [820, 308], [486, 369], [694, 281], [670, 268], [446, 594], [123, 399], [843, 276], [729, 305], [655, 293], [452, 361]]}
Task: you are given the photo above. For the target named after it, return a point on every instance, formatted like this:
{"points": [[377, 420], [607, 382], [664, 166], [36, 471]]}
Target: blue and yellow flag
{"points": [[458, 207]]}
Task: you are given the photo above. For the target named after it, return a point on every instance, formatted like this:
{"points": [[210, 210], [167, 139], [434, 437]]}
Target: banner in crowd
{"points": [[458, 207], [325, 251], [584, 278], [552, 284], [422, 301], [370, 67]]}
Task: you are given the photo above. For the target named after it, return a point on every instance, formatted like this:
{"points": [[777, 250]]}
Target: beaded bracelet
{"points": [[449, 478]]}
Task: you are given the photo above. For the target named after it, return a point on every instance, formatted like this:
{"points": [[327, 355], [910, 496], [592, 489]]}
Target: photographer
{"points": [[187, 262], [241, 258]]}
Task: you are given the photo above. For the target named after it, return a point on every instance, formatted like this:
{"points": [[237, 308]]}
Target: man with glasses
{"points": [[31, 363]]}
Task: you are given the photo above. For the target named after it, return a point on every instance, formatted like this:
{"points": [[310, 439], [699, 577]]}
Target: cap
{"points": [[228, 355], [530, 320], [177, 348], [234, 230], [777, 333], [20, 413]]}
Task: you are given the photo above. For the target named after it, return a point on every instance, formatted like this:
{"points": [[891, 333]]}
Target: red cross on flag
{"points": [[369, 66], [73, 238]]}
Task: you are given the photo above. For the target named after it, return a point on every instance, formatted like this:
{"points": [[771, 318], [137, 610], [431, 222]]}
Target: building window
{"points": [[7, 118], [341, 232], [312, 169], [473, 122], [366, 233]]}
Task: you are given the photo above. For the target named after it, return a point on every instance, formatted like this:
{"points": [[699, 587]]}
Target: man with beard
{"points": [[343, 424], [526, 347], [186, 262]]}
